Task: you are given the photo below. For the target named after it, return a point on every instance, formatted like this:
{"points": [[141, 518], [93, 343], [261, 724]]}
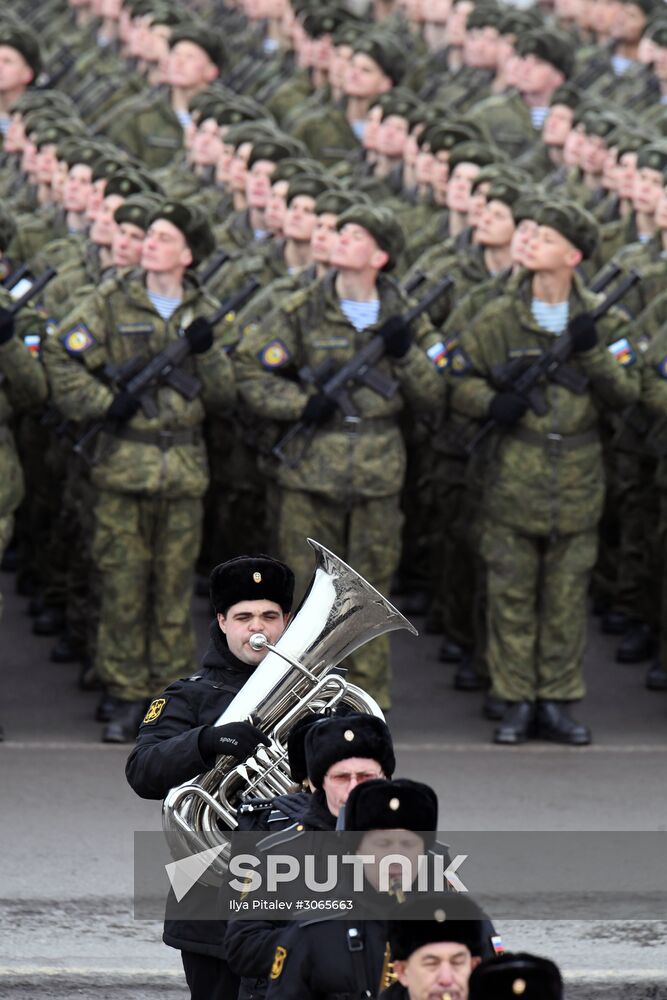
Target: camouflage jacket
{"points": [[149, 130], [113, 325], [345, 463], [654, 397], [545, 475]]}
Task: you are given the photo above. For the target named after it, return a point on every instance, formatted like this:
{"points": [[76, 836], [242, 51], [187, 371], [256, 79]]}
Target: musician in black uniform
{"points": [[178, 739], [339, 753]]}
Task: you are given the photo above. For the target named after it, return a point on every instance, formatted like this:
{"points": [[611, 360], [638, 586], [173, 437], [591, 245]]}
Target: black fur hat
{"points": [[251, 578], [349, 736], [449, 916], [523, 976], [401, 804]]}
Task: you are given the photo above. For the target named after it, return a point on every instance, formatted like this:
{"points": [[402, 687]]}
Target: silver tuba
{"points": [[297, 677]]}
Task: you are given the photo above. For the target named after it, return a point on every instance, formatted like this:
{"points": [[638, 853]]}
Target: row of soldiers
{"points": [[318, 172]]}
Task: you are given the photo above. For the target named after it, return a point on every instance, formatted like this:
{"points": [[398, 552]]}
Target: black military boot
{"points": [[124, 725], [554, 724], [656, 678], [517, 723], [107, 706], [637, 645], [614, 623], [65, 651], [88, 679], [450, 651], [50, 622], [466, 677], [494, 708]]}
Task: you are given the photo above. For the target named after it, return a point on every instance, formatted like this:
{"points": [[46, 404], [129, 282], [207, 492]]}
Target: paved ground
{"points": [[67, 818]]}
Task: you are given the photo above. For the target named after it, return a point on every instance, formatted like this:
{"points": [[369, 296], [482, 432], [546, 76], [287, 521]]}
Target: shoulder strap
{"points": [[355, 945]]}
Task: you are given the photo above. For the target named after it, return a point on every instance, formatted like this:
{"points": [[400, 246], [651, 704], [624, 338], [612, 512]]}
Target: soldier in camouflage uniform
{"points": [[544, 488], [22, 387], [343, 489], [150, 471]]}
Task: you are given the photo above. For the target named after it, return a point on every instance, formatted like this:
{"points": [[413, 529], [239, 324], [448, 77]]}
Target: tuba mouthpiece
{"points": [[258, 641]]}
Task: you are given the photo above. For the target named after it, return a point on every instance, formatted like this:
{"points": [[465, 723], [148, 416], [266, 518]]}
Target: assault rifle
{"points": [[137, 376], [524, 381], [360, 370], [22, 295]]}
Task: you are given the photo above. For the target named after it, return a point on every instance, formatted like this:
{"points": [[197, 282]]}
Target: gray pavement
{"points": [[67, 817]]}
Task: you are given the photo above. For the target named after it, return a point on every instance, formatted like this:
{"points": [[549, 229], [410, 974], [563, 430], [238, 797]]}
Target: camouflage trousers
{"points": [[536, 612], [6, 527], [144, 549], [367, 536], [637, 579]]}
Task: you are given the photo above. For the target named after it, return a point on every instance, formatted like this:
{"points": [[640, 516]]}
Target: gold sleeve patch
{"points": [[278, 962], [274, 354], [155, 709], [78, 339]]}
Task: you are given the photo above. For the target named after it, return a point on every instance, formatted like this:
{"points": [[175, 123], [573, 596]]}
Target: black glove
{"points": [[6, 326], [123, 408], [236, 739], [583, 333], [397, 337], [318, 409], [507, 408], [199, 335]]}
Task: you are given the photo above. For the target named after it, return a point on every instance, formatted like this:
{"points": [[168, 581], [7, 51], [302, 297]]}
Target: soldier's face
{"points": [[77, 188], [627, 173], [324, 238], [573, 146], [165, 249], [103, 227], [341, 56], [189, 66], [593, 154], [364, 78], [496, 225], [557, 125], [126, 245], [245, 619], [536, 76], [550, 251], [456, 23], [629, 23], [481, 48], [436, 969], [356, 250], [660, 61], [345, 775], [258, 183], [372, 128], [45, 163], [477, 203], [392, 136], [300, 218], [648, 190], [458, 188], [206, 144], [523, 234], [14, 70], [276, 206]]}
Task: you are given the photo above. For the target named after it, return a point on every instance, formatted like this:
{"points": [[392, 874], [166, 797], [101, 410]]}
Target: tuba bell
{"points": [[298, 676]]}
